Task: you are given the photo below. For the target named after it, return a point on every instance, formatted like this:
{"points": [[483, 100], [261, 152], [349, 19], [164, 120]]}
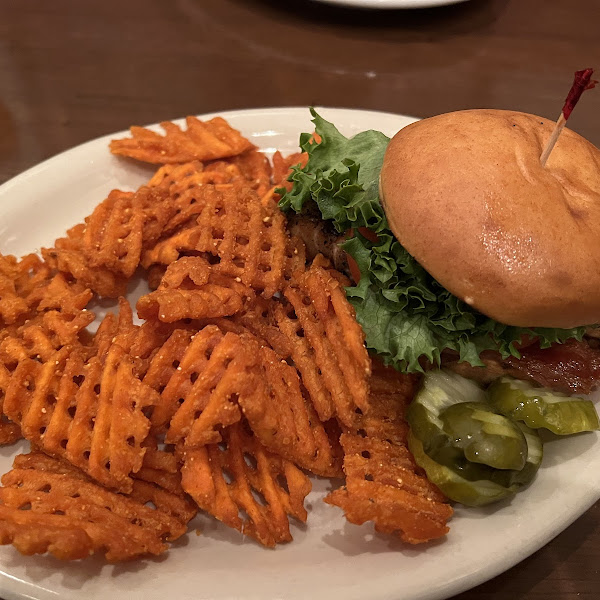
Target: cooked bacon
{"points": [[572, 367]]}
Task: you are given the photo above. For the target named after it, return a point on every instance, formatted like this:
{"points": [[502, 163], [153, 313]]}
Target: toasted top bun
{"points": [[466, 195]]}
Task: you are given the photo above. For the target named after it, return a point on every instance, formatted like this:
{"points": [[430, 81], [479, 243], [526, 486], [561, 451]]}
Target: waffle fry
{"points": [[279, 411], [255, 168], [284, 421], [9, 432], [390, 393], [382, 486], [49, 506], [12, 306], [68, 257], [226, 479], [109, 425], [33, 387], [119, 226], [147, 340], [326, 344], [18, 282], [245, 237], [176, 178], [39, 344], [159, 481], [186, 186], [282, 167], [383, 482], [41, 336], [89, 412], [85, 404], [189, 290], [203, 140], [163, 365], [201, 397], [59, 294], [28, 273], [113, 236]]}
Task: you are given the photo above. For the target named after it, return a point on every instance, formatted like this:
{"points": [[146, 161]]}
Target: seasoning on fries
{"points": [[248, 373]]}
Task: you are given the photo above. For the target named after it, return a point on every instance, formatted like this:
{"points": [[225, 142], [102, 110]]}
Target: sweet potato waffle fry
{"points": [[241, 237], [282, 166], [57, 316], [255, 167], [29, 286], [84, 404], [59, 294], [113, 235], [189, 290], [269, 394], [282, 326], [392, 496], [326, 344], [88, 412], [9, 432], [279, 412], [202, 140], [13, 303], [185, 185], [68, 257], [40, 337], [33, 387], [49, 506], [241, 476], [202, 395], [175, 178], [249, 367], [383, 483], [285, 421]]}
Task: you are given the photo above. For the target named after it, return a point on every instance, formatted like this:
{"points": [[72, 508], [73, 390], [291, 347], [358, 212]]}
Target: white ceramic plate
{"points": [[329, 558], [388, 4]]}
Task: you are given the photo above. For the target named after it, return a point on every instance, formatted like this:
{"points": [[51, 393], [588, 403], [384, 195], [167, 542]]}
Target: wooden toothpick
{"points": [[583, 81]]}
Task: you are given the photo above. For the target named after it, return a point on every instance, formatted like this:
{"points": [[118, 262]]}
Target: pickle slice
{"points": [[485, 436], [535, 453], [468, 448], [475, 484], [451, 412], [439, 391], [543, 408], [457, 488]]}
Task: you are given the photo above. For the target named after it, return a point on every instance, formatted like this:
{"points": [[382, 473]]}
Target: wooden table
{"points": [[71, 71]]}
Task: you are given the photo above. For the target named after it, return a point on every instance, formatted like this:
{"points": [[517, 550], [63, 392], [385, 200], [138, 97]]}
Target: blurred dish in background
{"points": [[388, 4]]}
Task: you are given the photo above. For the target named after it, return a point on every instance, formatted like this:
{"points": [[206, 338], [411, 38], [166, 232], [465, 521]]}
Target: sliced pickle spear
{"points": [[540, 407]]}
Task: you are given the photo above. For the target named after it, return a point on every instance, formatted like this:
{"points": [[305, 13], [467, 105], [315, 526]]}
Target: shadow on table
{"points": [[455, 19]]}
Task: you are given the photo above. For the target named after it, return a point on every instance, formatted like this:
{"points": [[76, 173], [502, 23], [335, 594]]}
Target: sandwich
{"points": [[465, 251]]}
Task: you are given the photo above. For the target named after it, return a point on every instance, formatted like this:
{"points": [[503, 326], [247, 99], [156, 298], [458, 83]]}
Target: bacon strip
{"points": [[572, 367]]}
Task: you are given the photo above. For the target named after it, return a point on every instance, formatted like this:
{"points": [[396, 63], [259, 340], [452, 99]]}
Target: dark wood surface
{"points": [[72, 70]]}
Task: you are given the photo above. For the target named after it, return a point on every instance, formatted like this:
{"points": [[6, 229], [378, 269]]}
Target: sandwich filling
{"points": [[409, 319]]}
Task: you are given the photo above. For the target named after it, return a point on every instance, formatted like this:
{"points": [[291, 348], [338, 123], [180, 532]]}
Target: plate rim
{"points": [[267, 110]]}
